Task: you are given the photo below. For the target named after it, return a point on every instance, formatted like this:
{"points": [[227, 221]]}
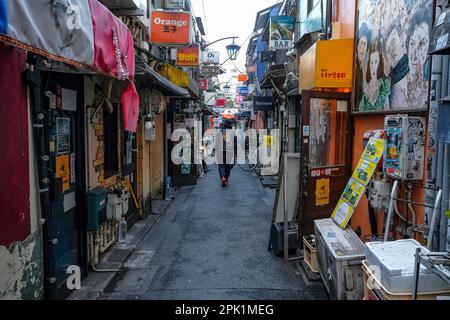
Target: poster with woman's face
{"points": [[392, 66]]}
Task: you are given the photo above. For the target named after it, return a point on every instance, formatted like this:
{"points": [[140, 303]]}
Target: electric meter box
{"points": [[96, 203], [404, 152], [339, 255]]}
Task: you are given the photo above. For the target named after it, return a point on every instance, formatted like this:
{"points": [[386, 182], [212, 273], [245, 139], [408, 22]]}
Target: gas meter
{"points": [[404, 147]]}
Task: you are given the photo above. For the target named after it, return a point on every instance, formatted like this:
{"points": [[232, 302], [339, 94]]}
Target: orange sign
{"points": [[188, 56], [170, 28], [242, 78]]}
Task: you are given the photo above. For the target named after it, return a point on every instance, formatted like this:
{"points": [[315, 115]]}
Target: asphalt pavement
{"points": [[212, 244]]}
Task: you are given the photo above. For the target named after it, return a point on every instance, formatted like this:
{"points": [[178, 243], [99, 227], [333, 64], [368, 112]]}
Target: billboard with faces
{"points": [[392, 68]]}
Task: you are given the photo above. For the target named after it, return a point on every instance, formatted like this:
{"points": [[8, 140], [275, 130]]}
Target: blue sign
{"points": [[3, 17], [243, 90]]}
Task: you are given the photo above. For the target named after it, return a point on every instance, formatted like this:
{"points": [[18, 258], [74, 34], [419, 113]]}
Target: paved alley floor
{"points": [[212, 244]]}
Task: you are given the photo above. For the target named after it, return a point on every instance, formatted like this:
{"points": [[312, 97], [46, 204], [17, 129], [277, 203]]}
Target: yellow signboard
{"points": [[364, 171], [356, 187], [327, 64], [342, 213], [322, 192], [334, 63], [63, 171]]}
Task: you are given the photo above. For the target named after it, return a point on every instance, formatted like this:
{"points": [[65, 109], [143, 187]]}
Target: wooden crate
{"points": [[310, 256], [379, 292]]}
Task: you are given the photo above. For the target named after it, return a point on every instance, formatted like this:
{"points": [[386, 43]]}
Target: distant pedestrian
{"points": [[226, 151]]}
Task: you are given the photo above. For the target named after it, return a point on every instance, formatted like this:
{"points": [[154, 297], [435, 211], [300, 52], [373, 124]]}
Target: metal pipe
{"points": [[433, 220], [397, 211], [445, 198], [409, 195], [391, 210], [444, 82], [439, 178]]}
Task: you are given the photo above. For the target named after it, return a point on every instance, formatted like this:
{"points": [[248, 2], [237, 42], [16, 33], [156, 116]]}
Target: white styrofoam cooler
{"points": [[395, 261], [340, 254]]}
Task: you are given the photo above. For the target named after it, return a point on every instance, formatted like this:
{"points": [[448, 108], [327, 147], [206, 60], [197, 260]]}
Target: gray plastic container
{"points": [[396, 261]]}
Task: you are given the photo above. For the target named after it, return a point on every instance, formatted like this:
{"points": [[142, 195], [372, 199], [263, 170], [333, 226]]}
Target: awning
{"points": [[293, 92], [275, 74], [82, 33], [180, 78], [194, 88], [144, 73]]}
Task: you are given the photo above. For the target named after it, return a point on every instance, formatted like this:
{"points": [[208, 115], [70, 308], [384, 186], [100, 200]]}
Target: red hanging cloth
{"points": [[130, 107], [113, 43]]}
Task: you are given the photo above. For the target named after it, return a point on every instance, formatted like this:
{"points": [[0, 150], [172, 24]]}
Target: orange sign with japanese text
{"points": [[334, 63], [170, 28], [188, 56]]}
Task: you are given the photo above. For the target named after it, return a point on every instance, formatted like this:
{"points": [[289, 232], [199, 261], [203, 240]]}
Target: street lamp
{"points": [[233, 50]]}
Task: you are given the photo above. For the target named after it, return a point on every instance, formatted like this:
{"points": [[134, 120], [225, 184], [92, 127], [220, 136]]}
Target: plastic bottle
{"points": [[123, 230]]}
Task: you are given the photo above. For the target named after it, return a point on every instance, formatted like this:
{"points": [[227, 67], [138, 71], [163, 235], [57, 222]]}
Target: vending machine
{"points": [[404, 154]]}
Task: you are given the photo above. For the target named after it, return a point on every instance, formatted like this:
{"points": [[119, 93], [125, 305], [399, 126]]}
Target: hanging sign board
{"points": [[242, 77], [356, 187], [246, 106], [188, 56], [221, 102], [203, 84], [210, 98], [174, 4], [170, 28], [211, 57], [281, 32], [334, 60], [243, 90], [268, 56], [263, 104]]}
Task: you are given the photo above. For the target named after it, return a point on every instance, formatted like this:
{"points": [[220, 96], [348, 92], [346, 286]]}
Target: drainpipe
{"points": [[33, 79], [445, 199], [432, 142], [409, 195]]}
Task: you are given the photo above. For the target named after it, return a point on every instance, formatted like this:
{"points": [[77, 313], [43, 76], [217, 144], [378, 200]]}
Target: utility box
{"points": [[96, 205], [340, 254]]}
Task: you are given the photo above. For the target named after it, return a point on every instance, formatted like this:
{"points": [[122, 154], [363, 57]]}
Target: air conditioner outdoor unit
{"points": [[340, 254]]}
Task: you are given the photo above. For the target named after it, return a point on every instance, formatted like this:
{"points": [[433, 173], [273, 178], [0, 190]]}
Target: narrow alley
{"points": [[212, 244], [121, 121]]}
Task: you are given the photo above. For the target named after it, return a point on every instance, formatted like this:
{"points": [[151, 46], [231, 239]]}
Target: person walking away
{"points": [[226, 151]]}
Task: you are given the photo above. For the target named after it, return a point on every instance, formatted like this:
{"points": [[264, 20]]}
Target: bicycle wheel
{"points": [[250, 163]]}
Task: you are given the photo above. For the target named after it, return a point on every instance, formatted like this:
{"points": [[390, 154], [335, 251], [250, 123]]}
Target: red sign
{"points": [[170, 28], [203, 84], [188, 56], [221, 103]]}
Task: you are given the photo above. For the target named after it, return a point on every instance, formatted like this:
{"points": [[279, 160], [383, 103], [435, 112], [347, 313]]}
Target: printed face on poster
{"points": [[392, 67]]}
